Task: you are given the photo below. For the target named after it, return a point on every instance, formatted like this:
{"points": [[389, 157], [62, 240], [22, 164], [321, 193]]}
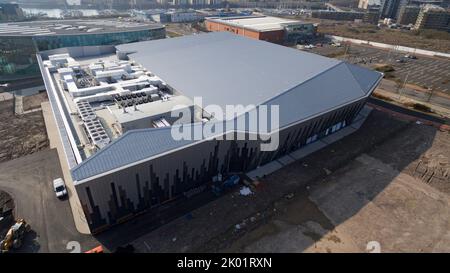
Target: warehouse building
{"points": [[114, 110], [266, 28], [19, 42]]}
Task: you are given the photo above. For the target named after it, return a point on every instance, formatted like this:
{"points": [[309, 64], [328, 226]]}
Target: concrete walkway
{"points": [[18, 105], [405, 99], [310, 148], [55, 142]]}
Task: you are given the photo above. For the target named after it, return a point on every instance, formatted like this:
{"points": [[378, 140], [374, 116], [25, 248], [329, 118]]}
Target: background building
{"points": [[271, 29], [147, 166], [19, 42], [369, 4], [115, 4], [183, 16], [433, 17], [441, 3], [10, 12], [408, 15], [371, 17], [390, 8]]}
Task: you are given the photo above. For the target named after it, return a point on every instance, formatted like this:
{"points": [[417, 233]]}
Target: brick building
{"points": [[270, 29]]}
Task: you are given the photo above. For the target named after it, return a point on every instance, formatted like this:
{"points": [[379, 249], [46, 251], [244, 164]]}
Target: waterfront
{"points": [[58, 13]]}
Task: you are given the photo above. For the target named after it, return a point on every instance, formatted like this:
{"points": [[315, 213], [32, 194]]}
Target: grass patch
{"points": [[433, 34], [422, 107], [389, 76], [418, 106], [335, 54], [172, 34], [385, 68], [426, 39], [381, 97]]}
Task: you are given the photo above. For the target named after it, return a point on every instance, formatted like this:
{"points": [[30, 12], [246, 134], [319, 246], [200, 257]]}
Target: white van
{"points": [[59, 187]]}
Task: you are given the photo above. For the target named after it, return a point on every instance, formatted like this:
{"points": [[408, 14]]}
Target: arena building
{"points": [[114, 108]]}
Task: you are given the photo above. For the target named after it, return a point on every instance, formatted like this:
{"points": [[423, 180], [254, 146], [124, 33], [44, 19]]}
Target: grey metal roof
{"points": [[313, 85], [333, 88], [227, 69], [132, 146], [72, 27]]}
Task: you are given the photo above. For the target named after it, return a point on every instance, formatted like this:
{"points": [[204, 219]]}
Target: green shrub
{"points": [[422, 107]]}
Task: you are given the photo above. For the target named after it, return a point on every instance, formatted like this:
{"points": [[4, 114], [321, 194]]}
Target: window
{"points": [[311, 139]]}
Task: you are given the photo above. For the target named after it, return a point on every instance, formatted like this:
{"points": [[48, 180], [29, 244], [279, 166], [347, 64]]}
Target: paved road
{"points": [[22, 84], [28, 179], [437, 99], [407, 111]]}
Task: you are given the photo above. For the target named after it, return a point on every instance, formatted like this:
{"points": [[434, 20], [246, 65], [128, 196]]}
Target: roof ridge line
{"points": [[348, 65], [353, 76], [297, 85], [114, 142]]}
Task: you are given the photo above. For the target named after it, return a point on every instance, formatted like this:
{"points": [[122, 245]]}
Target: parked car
{"points": [[400, 61], [59, 187], [409, 56]]}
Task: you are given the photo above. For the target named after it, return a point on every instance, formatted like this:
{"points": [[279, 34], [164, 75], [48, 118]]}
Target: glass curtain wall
{"points": [[18, 54]]}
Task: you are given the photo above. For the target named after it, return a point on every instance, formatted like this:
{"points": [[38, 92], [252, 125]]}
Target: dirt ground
{"points": [[6, 212], [436, 41], [395, 197], [21, 135], [387, 183], [34, 101], [6, 202]]}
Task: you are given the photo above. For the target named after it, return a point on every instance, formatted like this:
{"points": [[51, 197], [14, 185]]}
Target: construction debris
{"points": [[289, 196], [14, 236], [21, 135], [245, 191]]}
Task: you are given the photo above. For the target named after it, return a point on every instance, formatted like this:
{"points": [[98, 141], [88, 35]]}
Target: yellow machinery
{"points": [[14, 236]]}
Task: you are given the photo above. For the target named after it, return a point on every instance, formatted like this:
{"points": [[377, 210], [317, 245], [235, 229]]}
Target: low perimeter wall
{"points": [[387, 46]]}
